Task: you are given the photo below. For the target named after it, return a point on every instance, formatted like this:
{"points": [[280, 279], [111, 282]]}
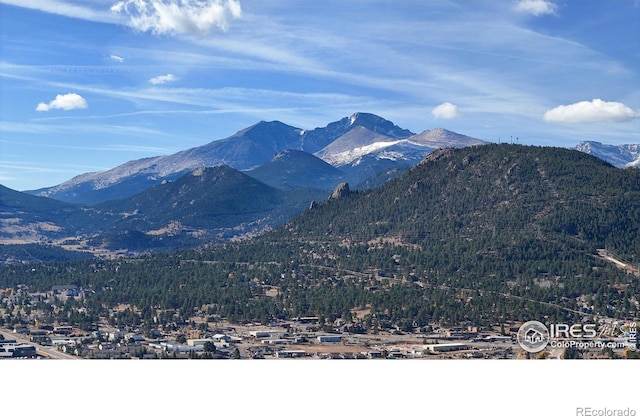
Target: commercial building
{"points": [[447, 347], [329, 338]]}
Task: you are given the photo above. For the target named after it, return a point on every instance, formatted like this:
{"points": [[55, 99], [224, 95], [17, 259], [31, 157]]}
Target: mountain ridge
{"points": [[621, 156], [297, 169], [244, 150], [207, 205]]}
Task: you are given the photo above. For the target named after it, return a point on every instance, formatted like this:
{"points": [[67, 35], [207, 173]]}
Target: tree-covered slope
{"points": [[478, 235], [207, 205], [32, 218], [490, 197]]}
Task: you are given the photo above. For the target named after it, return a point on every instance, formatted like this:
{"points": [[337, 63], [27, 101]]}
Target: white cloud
{"points": [[194, 17], [536, 7], [117, 58], [162, 79], [65, 102], [595, 111], [446, 110]]}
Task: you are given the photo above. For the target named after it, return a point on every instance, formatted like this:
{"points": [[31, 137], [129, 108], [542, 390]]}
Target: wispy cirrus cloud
{"points": [[29, 166], [71, 101], [162, 79], [181, 17], [116, 58], [595, 111], [50, 126], [67, 9], [536, 7]]}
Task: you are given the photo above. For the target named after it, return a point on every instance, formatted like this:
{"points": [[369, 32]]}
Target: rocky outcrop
{"points": [[341, 191]]}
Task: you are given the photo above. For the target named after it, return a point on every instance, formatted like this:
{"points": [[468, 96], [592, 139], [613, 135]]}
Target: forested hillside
{"points": [[477, 235]]}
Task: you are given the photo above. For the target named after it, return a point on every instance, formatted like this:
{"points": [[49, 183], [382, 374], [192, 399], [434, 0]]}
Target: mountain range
{"points": [[207, 205], [621, 156], [357, 144], [229, 189], [233, 188]]}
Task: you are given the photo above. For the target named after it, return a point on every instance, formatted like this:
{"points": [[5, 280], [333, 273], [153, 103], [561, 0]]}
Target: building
{"points": [[19, 350], [460, 334], [56, 342], [66, 290], [374, 354], [291, 354], [276, 341], [307, 320], [395, 354], [447, 347], [492, 338], [264, 334], [174, 346], [62, 330], [199, 341], [329, 338], [225, 339], [134, 337], [115, 336]]}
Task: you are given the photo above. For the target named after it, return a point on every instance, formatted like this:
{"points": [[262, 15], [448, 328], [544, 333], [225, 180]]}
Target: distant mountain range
{"points": [[357, 144], [622, 156], [230, 189], [233, 188]]}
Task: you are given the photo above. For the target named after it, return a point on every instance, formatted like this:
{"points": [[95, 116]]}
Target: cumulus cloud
{"points": [[162, 79], [536, 7], [191, 17], [446, 110], [71, 101], [595, 111], [117, 58]]}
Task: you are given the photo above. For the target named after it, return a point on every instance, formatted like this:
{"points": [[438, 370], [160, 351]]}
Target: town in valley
{"points": [[28, 332]]}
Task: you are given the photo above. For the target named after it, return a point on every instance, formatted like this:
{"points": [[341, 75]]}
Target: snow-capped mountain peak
{"points": [[348, 140], [625, 155]]}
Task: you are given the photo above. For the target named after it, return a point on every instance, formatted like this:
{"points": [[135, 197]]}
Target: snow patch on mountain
{"points": [[361, 141], [621, 156], [348, 156]]}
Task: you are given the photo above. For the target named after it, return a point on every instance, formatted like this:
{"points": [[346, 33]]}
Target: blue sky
{"points": [[86, 85]]}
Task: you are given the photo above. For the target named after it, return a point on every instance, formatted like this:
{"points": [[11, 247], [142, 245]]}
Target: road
{"points": [[605, 254]]}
